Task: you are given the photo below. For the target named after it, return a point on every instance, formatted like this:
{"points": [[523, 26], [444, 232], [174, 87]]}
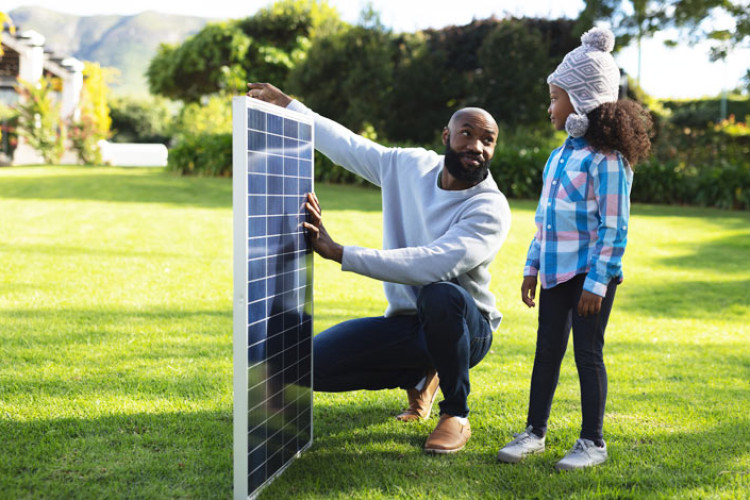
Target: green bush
{"points": [[141, 120], [203, 155]]}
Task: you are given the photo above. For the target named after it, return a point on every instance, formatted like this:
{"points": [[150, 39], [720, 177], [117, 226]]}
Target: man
{"points": [[444, 219]]}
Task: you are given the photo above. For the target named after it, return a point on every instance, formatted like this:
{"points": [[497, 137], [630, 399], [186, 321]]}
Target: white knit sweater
{"points": [[429, 234]]}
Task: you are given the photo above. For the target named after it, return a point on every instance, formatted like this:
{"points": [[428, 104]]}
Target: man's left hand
{"points": [[590, 304], [322, 242]]}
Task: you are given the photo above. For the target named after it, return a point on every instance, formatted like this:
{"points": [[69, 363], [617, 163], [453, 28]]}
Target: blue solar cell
{"points": [[257, 203], [275, 184], [256, 268], [275, 144], [291, 185], [256, 184], [275, 165], [275, 124], [305, 132], [256, 162], [291, 147], [257, 226], [276, 204], [292, 204], [305, 169], [291, 166], [256, 120], [291, 128], [256, 141]]}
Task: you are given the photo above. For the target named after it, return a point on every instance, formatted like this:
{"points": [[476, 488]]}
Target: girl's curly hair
{"points": [[623, 126]]}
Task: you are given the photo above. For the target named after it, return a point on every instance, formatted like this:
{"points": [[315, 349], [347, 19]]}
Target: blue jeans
{"points": [[448, 333], [557, 315]]}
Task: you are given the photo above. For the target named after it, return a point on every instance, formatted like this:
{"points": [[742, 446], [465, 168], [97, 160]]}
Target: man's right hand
{"points": [[269, 93], [528, 290]]}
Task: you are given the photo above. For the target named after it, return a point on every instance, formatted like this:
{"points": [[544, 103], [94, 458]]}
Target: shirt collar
{"points": [[576, 142]]}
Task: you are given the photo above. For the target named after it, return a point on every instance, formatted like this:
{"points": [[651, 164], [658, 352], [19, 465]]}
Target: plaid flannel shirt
{"points": [[582, 217]]}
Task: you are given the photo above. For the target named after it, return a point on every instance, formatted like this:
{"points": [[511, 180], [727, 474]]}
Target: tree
{"points": [[223, 56], [347, 76], [636, 19], [514, 68]]}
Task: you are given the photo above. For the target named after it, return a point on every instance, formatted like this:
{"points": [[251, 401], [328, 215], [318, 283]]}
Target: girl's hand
{"points": [[528, 290], [590, 304]]}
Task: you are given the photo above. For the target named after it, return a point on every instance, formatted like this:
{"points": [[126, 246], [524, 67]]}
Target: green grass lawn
{"points": [[116, 355]]}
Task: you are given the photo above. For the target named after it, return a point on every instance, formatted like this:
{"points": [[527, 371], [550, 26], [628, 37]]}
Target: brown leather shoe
{"points": [[420, 402], [449, 436]]}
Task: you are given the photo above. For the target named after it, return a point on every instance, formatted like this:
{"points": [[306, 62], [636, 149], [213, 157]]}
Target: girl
{"points": [[582, 224]]}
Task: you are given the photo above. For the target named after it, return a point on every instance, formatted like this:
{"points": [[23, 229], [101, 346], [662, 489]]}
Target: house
{"points": [[25, 58]]}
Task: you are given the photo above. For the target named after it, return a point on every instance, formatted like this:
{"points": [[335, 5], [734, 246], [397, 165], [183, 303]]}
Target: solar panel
{"points": [[273, 278]]}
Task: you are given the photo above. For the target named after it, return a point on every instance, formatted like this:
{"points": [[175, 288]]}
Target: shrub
{"points": [[141, 120], [39, 119], [203, 155]]}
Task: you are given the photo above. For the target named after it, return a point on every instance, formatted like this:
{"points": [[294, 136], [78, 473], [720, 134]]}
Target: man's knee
{"points": [[440, 298]]}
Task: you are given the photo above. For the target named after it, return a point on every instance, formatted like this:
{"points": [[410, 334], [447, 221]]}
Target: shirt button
{"points": [[562, 160], [554, 182], [624, 228], [549, 226], [549, 203]]}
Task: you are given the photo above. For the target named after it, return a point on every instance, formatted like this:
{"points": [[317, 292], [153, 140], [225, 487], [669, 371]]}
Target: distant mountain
{"points": [[124, 42]]}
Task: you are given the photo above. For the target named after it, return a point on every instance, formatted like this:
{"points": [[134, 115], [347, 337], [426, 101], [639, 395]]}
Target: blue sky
{"points": [[683, 71]]}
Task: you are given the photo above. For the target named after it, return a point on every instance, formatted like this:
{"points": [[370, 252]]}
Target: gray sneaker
{"points": [[585, 453], [526, 443]]}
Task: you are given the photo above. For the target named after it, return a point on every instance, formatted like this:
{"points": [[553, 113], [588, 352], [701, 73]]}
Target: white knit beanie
{"points": [[590, 76]]}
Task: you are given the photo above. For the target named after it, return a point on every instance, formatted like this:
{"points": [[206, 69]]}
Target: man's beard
{"points": [[459, 171]]}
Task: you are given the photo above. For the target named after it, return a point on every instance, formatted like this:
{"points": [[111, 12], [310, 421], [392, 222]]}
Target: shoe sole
{"points": [[565, 467], [514, 459], [438, 451]]}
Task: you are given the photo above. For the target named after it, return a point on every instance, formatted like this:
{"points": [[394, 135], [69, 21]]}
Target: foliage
{"points": [[700, 113], [635, 19], [94, 122], [223, 56], [213, 115], [141, 120], [520, 157], [202, 64], [518, 95], [347, 76], [8, 129], [705, 165], [39, 119], [202, 155], [5, 21]]}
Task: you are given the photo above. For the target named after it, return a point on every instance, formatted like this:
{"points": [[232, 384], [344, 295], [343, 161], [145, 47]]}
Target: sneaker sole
{"points": [[514, 459], [567, 467]]}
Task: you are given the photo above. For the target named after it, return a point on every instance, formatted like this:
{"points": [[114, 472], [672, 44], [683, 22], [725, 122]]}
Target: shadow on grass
{"points": [[726, 255], [121, 187], [728, 218], [688, 299], [177, 455], [158, 186]]}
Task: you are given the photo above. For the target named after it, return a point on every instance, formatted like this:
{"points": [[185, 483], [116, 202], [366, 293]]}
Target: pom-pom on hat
{"points": [[590, 76]]}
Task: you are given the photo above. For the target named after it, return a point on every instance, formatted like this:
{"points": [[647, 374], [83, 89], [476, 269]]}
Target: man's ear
{"points": [[446, 136]]}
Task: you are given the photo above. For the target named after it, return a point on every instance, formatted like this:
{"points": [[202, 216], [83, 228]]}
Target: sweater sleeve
{"points": [[347, 149], [474, 239]]}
